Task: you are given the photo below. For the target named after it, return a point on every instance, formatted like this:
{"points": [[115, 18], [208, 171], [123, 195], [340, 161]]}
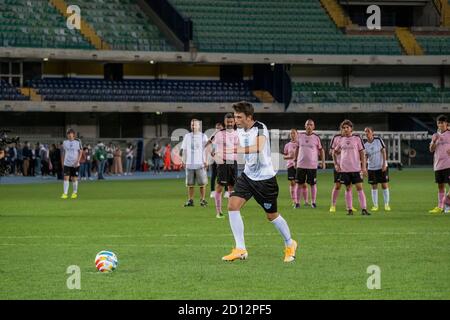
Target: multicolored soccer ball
{"points": [[106, 261]]}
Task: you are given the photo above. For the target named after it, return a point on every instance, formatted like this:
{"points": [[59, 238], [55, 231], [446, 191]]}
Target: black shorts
{"points": [[349, 178], [227, 174], [337, 176], [71, 171], [265, 192], [306, 175], [291, 173], [442, 176], [378, 176]]}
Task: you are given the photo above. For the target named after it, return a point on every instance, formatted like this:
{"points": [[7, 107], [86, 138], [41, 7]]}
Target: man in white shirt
{"points": [[378, 170], [71, 156], [194, 160], [258, 180]]}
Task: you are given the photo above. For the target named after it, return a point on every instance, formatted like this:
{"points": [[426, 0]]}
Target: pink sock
{"points": [[305, 194], [349, 199], [299, 191], [292, 191], [218, 200], [362, 199], [313, 193], [334, 196], [441, 199], [295, 193]]}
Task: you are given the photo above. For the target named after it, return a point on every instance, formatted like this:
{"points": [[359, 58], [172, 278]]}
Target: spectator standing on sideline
{"points": [[100, 155], [37, 160], [129, 153], [156, 158], [13, 158], [44, 156], [117, 163], [167, 158], [83, 163], [26, 158], [110, 158], [19, 161]]}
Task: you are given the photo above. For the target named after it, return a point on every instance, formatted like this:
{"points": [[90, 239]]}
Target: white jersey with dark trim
{"points": [[72, 149], [374, 153], [258, 166]]}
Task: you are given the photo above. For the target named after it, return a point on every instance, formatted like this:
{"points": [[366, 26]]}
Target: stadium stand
{"points": [[123, 25], [56, 89], [435, 45], [26, 23], [331, 92], [9, 92], [289, 26]]}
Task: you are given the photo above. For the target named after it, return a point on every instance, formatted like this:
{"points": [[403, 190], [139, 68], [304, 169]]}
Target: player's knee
{"points": [[272, 216]]}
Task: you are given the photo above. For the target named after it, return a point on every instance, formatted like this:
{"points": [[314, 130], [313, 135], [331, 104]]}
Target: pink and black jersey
{"points": [[222, 140], [289, 150], [349, 148], [441, 158], [308, 153]]}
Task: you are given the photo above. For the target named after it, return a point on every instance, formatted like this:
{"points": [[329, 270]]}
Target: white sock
{"points": [[386, 196], [283, 228], [375, 197], [75, 186], [66, 187], [237, 226]]}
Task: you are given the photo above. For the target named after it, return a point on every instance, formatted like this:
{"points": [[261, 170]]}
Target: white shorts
{"points": [[198, 176]]}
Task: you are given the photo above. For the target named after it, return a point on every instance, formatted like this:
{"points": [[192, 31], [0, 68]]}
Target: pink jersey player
{"points": [[222, 140], [309, 147], [441, 153], [349, 147], [289, 150]]}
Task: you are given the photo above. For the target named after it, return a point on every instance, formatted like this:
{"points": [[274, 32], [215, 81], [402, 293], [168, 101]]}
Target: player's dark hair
{"points": [[244, 107], [346, 122], [229, 115], [70, 130], [442, 118], [369, 128]]}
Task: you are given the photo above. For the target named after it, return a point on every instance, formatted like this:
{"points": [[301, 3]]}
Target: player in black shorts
{"points": [[258, 180], [226, 163], [289, 155]]}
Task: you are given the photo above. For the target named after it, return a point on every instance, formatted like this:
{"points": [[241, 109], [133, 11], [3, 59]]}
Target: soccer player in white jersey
{"points": [[194, 160], [258, 180], [70, 157], [222, 141], [378, 170]]}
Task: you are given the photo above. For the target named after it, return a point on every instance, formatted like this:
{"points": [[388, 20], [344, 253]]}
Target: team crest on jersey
{"points": [[267, 206]]}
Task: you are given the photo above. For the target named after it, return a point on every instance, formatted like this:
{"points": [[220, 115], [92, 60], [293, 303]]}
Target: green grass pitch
{"points": [[166, 251]]}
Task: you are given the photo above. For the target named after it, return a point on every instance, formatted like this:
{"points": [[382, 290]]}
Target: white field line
{"points": [[199, 235]]}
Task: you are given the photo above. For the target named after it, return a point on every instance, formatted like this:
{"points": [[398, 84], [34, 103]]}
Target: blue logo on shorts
{"points": [[267, 206]]}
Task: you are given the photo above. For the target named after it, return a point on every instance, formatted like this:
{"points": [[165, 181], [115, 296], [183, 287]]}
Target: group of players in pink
{"points": [[353, 160], [347, 149]]}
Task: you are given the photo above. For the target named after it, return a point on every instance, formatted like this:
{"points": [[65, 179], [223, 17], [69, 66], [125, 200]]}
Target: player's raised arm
{"points": [[434, 141]]}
